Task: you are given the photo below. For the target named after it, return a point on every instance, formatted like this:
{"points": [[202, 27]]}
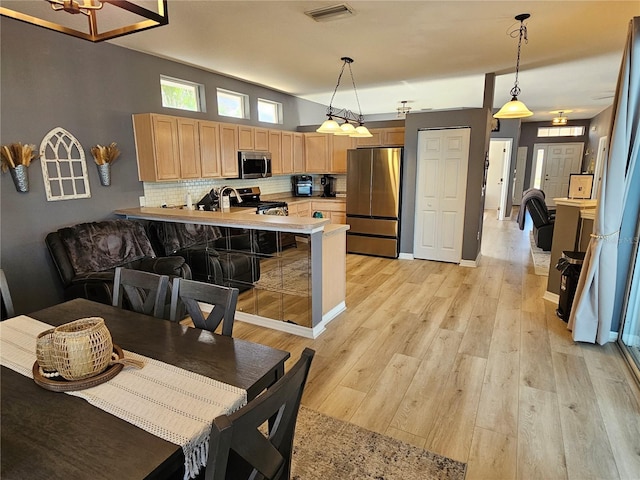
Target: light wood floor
{"points": [[473, 364]]}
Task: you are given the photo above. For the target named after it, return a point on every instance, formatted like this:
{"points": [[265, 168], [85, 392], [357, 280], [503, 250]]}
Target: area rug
{"points": [[328, 448], [541, 259], [294, 279]]}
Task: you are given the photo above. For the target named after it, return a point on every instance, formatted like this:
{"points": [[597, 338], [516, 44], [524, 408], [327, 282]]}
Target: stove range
{"points": [[251, 199]]}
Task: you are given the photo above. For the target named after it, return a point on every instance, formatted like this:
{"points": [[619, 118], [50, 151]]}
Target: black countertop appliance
{"points": [[328, 186]]}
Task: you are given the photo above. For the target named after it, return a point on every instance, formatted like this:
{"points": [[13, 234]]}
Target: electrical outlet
{"points": [[142, 201]]}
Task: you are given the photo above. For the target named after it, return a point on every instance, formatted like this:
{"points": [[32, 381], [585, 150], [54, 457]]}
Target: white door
{"points": [[518, 180], [497, 176], [603, 150], [443, 157], [558, 162]]}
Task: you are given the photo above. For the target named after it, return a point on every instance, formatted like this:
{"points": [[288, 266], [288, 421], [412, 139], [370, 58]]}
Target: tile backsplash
{"points": [[174, 193]]}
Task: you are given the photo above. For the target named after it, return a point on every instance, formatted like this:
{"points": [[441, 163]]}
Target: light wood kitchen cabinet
{"points": [[209, 149], [317, 149], [245, 138], [157, 147], [300, 209], [275, 147], [298, 153], [253, 138], [261, 138], [383, 137], [286, 152], [339, 146], [228, 150], [189, 148], [336, 210], [393, 137]]}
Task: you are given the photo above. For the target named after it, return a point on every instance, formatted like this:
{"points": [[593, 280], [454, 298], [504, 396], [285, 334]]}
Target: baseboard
{"points": [[551, 297], [406, 256], [613, 337], [276, 325], [471, 263]]}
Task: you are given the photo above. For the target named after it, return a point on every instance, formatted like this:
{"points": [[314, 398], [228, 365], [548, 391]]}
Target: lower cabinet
{"points": [[336, 210]]}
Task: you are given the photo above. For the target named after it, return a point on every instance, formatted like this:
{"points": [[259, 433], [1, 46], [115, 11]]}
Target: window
{"points": [[182, 94], [232, 104], [560, 131], [269, 112]]}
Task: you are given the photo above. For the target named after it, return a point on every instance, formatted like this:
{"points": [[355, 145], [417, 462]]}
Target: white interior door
{"points": [[555, 162], [603, 147], [518, 180], [497, 176], [443, 157]]}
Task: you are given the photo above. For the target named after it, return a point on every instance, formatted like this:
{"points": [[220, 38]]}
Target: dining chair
{"points": [[190, 292], [238, 448], [146, 292], [5, 295]]}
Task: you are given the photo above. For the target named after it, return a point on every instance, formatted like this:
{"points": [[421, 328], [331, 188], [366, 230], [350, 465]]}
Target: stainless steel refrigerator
{"points": [[373, 201]]}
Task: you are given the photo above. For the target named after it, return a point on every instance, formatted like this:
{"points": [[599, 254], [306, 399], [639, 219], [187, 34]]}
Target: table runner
{"points": [[167, 401]]}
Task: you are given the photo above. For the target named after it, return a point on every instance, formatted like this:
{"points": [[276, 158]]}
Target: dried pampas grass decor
{"points": [[16, 154], [107, 154]]}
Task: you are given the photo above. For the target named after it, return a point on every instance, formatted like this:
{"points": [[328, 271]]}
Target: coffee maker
{"points": [[329, 186]]}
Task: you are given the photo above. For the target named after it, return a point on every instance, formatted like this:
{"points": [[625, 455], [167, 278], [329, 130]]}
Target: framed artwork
{"points": [[495, 124], [580, 185]]}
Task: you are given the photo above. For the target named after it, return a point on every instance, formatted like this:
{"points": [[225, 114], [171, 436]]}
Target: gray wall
{"points": [[54, 80], [478, 119], [600, 126]]}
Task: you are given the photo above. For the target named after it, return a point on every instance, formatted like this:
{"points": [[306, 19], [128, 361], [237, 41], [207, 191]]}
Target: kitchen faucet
{"points": [[220, 193]]}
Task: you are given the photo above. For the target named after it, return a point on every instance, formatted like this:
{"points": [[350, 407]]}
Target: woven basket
{"points": [[44, 350], [82, 349]]}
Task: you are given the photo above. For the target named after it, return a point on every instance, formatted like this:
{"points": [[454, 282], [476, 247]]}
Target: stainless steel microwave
{"points": [[254, 164]]}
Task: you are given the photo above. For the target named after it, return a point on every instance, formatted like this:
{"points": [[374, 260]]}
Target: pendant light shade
{"points": [[350, 118], [329, 126], [515, 108]]}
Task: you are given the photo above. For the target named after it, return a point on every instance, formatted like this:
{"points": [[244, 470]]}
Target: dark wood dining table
{"points": [[52, 435]]}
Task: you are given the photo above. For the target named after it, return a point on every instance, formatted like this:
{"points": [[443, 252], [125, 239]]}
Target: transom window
{"points": [[269, 111], [232, 104], [560, 131], [182, 94]]}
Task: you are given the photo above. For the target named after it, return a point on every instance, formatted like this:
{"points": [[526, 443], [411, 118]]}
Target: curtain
{"points": [[604, 271]]}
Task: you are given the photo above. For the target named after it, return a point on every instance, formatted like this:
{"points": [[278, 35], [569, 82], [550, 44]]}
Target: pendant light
{"points": [[515, 108], [350, 119], [560, 121]]}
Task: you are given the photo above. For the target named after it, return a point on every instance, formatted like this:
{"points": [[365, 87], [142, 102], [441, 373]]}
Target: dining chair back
{"points": [[145, 292], [5, 296], [238, 448], [191, 292]]}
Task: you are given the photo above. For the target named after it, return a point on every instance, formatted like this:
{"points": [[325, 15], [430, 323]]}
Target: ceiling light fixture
{"points": [[559, 121], [117, 17], [350, 118], [403, 109], [515, 108], [333, 12]]}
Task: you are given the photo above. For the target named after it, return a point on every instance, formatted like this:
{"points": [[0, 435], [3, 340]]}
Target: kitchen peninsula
{"points": [[300, 283]]}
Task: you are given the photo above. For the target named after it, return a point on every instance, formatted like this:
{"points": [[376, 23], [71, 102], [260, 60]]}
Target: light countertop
{"points": [[237, 217]]}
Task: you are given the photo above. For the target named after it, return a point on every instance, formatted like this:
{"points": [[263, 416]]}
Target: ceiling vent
{"points": [[334, 12]]}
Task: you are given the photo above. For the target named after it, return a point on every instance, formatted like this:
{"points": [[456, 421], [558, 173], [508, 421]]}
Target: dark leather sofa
{"points": [[86, 255], [223, 256]]}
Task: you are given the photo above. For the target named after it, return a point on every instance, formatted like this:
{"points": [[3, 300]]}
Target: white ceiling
{"points": [[432, 53]]}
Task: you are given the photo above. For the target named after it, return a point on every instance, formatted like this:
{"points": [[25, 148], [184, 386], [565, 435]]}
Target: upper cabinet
{"points": [[157, 147], [275, 148], [339, 146], [317, 149], [229, 150], [174, 148], [246, 140], [383, 137]]}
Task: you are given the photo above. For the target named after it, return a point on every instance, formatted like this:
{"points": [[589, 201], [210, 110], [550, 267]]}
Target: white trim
{"points": [[406, 256], [551, 297], [471, 263], [613, 336]]}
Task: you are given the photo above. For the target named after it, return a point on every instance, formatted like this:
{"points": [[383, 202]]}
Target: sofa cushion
{"points": [[99, 246]]}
